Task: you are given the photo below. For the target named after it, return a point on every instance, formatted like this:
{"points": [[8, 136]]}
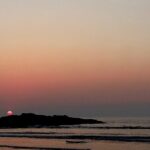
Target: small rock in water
{"points": [[76, 141]]}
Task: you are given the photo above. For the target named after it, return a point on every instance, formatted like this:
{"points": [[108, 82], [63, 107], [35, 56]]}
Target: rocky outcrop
{"points": [[33, 120]]}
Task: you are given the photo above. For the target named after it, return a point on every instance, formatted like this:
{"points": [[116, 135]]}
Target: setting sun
{"points": [[9, 113]]}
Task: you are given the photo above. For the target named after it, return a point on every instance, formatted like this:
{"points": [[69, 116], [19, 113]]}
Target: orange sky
{"points": [[99, 50]]}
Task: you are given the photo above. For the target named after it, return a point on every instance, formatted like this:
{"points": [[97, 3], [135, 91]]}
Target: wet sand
{"points": [[53, 144]]}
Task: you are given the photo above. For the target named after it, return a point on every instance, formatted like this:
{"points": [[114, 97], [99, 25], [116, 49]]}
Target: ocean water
{"points": [[115, 134]]}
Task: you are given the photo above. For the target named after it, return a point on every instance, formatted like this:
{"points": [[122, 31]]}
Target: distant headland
{"points": [[27, 120]]}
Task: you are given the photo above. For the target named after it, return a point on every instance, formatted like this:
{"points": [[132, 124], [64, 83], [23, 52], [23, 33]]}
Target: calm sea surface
{"points": [[116, 134]]}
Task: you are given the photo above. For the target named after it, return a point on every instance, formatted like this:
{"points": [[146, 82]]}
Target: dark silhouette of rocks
{"points": [[26, 120]]}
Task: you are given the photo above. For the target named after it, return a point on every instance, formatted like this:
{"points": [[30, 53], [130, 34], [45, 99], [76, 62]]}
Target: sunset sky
{"points": [[76, 57]]}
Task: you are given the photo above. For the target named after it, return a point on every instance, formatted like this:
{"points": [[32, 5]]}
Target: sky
{"points": [[75, 57]]}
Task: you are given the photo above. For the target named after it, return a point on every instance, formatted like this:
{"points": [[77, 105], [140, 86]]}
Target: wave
{"points": [[85, 137], [122, 127], [91, 127], [100, 127]]}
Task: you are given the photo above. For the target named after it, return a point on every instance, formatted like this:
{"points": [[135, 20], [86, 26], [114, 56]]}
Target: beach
{"points": [[116, 134]]}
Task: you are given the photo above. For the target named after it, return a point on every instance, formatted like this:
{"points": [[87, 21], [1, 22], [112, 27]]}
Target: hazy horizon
{"points": [[81, 58]]}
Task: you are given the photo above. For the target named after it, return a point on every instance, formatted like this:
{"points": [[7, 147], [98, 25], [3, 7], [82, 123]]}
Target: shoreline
{"points": [[144, 139], [38, 148]]}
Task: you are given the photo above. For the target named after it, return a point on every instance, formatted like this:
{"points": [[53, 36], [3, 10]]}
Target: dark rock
{"points": [[33, 120], [76, 141]]}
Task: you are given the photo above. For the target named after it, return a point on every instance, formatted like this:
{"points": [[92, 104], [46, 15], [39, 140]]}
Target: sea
{"points": [[115, 134]]}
